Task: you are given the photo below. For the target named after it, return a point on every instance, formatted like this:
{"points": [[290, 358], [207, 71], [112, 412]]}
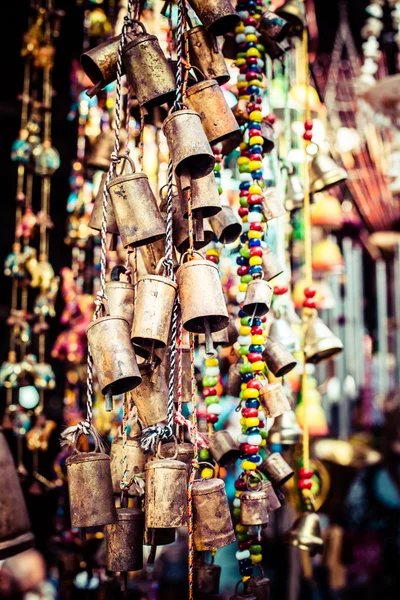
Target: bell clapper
{"points": [[199, 226], [152, 555], [82, 534], [209, 341], [124, 581], [108, 401]]}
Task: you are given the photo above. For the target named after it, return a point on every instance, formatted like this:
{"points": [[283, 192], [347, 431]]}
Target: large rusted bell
{"points": [[183, 451], [165, 491], [276, 469], [319, 342], [272, 499], [234, 380], [273, 400], [15, 534], [151, 397], [270, 264], [137, 214], [100, 151], [136, 460], [226, 226], [206, 55], [205, 198], [125, 541], [212, 523], [254, 507], [223, 448], [206, 580], [272, 207], [259, 587], [294, 11], [90, 489], [272, 26], [97, 211], [217, 119], [147, 69], [217, 16], [305, 534], [100, 64], [258, 298], [188, 145], [120, 296], [279, 360], [325, 173]]}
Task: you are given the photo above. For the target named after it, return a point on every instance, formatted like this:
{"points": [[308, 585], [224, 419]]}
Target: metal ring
{"points": [[174, 456]]}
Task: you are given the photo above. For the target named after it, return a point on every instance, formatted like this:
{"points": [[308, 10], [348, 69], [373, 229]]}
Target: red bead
{"points": [[249, 412], [240, 485], [308, 125], [213, 259], [254, 356], [209, 391], [251, 106], [255, 538], [256, 330], [242, 271], [261, 425], [244, 545], [255, 156], [309, 303], [258, 100], [243, 91], [216, 149], [243, 69], [212, 418], [305, 473], [310, 291], [254, 384], [271, 118], [244, 153], [254, 199], [304, 484], [243, 211], [264, 319], [250, 21], [307, 135], [251, 75], [248, 448], [218, 158], [256, 227], [244, 193], [253, 132], [257, 250], [280, 289]]}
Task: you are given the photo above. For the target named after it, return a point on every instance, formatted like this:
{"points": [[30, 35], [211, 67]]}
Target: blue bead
{"points": [[244, 185], [252, 89], [255, 458], [243, 239], [256, 149], [252, 403], [255, 208], [255, 269], [246, 571], [253, 243], [256, 348], [245, 562], [255, 125], [242, 261], [246, 377], [254, 322], [241, 313], [251, 430], [257, 174], [251, 45]]}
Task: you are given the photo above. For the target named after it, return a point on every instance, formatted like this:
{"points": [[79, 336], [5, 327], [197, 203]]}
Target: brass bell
{"points": [[206, 580], [147, 69], [97, 212], [294, 197], [212, 523], [205, 198], [270, 264], [258, 298], [259, 587], [90, 489], [137, 214], [217, 119], [206, 56], [101, 150], [185, 452], [15, 534], [245, 596], [124, 541], [272, 26], [159, 537], [279, 360], [233, 383], [165, 492], [319, 342], [151, 397], [218, 16], [226, 226], [272, 207], [223, 448], [294, 11], [273, 400], [120, 296], [305, 534], [136, 460], [151, 255], [254, 507], [276, 469], [325, 173], [290, 431], [282, 330], [188, 145], [100, 64], [272, 499]]}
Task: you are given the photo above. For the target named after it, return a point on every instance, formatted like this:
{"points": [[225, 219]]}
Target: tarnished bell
{"points": [[279, 360], [259, 587], [120, 296], [294, 11], [258, 298], [147, 69], [272, 207], [124, 541], [226, 226], [245, 596], [100, 64], [276, 469], [275, 50], [90, 489], [185, 452], [212, 523], [273, 400], [305, 534], [270, 264], [217, 16], [136, 460], [325, 173], [223, 448], [319, 342], [272, 499], [234, 381], [294, 197], [272, 26], [188, 145], [101, 150], [152, 254], [205, 197], [217, 119], [282, 330], [15, 534], [290, 431], [97, 211], [254, 507], [165, 491], [137, 214], [267, 133], [159, 537], [206, 56], [151, 397], [206, 580]]}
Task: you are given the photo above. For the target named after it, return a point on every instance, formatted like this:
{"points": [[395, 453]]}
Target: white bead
{"points": [[254, 439], [212, 371], [240, 555], [263, 244], [245, 177], [245, 227], [254, 217], [260, 63], [244, 340], [249, 29], [214, 409], [242, 438], [240, 296], [240, 38], [261, 415], [236, 502], [374, 10], [243, 14], [241, 77]]}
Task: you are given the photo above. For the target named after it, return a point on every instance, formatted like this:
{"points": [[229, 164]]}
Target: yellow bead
{"points": [[246, 98], [254, 165], [207, 473], [251, 393], [253, 52], [243, 146], [211, 362], [241, 84], [256, 139], [256, 558], [238, 494], [239, 62], [245, 578], [263, 442], [258, 365], [241, 528], [243, 421], [247, 465], [243, 386], [251, 37], [212, 252], [244, 330], [257, 340], [255, 82], [255, 189], [256, 16], [243, 160], [255, 260], [255, 235], [244, 219], [255, 115], [239, 28], [242, 287], [252, 422]]}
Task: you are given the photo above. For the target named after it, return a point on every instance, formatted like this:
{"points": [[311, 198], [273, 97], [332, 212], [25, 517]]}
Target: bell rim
{"points": [[142, 241], [283, 33], [124, 178], [230, 233], [197, 262], [202, 487], [144, 37], [171, 463], [160, 278], [224, 24], [204, 164], [218, 322], [15, 545], [83, 457], [200, 86], [225, 539], [324, 183], [230, 134], [206, 211], [321, 352], [186, 111], [107, 318], [122, 385], [129, 514], [147, 533]]}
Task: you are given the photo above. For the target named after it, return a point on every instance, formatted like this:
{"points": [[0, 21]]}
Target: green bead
{"points": [[217, 167], [220, 190], [209, 381], [204, 454], [211, 400], [245, 320], [264, 434], [245, 252], [243, 350], [244, 168], [243, 201], [243, 537], [236, 512], [245, 368], [244, 428], [246, 278], [260, 48], [241, 395], [255, 549], [241, 55], [259, 77]]}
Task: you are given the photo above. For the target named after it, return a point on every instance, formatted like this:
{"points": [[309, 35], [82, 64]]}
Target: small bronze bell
{"points": [[102, 148], [273, 400], [97, 212], [275, 50], [294, 197], [15, 534], [270, 264], [272, 27], [206, 55], [290, 431], [188, 145], [218, 16], [120, 296], [272, 207], [217, 119], [90, 489], [151, 255], [245, 596], [151, 397], [185, 452], [212, 523], [100, 64], [276, 469], [319, 342], [254, 507], [137, 214], [125, 541], [279, 360], [294, 11], [147, 69], [226, 226], [259, 587], [206, 580], [305, 534], [223, 448], [165, 492], [204, 195], [325, 173], [282, 330], [234, 381], [136, 460], [272, 499], [258, 298]]}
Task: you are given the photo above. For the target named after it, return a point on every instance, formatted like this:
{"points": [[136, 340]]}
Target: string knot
{"points": [[154, 434]]}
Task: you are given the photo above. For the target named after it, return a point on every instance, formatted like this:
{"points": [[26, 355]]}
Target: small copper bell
{"points": [[305, 534], [254, 507], [97, 212], [206, 56], [15, 534], [136, 460], [218, 16], [319, 342], [290, 431], [151, 255], [276, 469], [151, 397], [272, 207], [212, 523], [206, 580], [100, 64], [272, 26], [258, 298], [232, 387], [147, 69], [226, 225], [272, 499], [138, 217], [125, 541], [282, 330], [259, 587], [279, 360], [294, 11], [270, 264], [223, 448], [100, 151], [273, 400], [185, 452], [120, 296], [188, 145], [294, 197], [205, 198], [165, 492], [325, 173]]}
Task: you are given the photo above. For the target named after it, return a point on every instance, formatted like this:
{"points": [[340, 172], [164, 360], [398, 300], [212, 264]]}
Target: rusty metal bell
{"points": [[151, 397], [294, 11], [184, 452], [136, 460], [206, 56], [205, 199], [279, 360], [305, 534], [15, 534], [272, 207], [223, 448], [319, 342], [217, 119], [226, 226], [272, 499], [206, 580], [212, 523], [97, 211], [100, 64], [258, 298], [273, 400], [275, 50], [218, 16], [270, 264], [124, 541], [120, 296], [165, 492], [254, 507], [188, 145], [224, 338], [137, 214], [90, 489], [276, 469], [147, 69], [325, 173], [246, 594], [234, 381], [282, 330], [259, 587], [272, 26], [100, 151]]}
